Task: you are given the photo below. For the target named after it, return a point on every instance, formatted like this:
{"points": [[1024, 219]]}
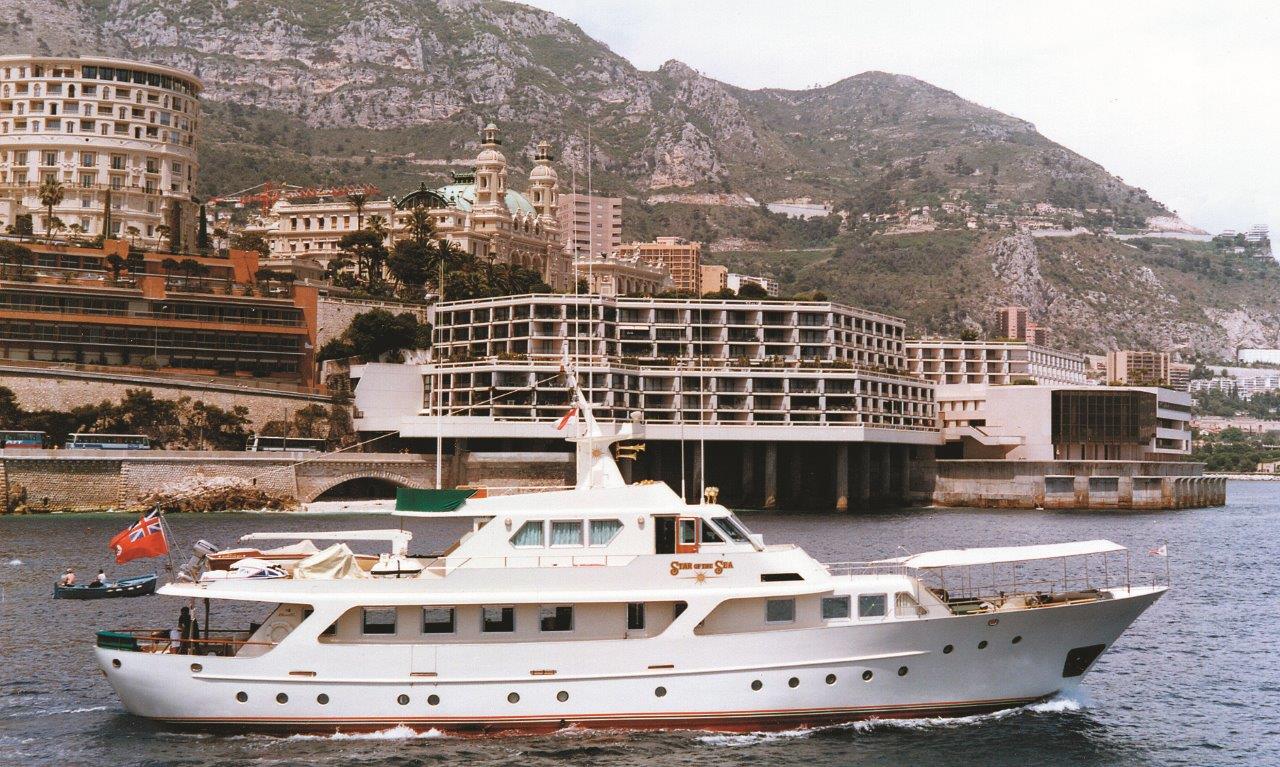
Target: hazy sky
{"points": [[1180, 98]]}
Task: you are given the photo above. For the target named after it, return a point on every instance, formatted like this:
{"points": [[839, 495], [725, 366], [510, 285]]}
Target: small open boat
{"points": [[141, 586]]}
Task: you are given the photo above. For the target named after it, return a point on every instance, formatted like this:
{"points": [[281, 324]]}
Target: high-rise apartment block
{"points": [[118, 136], [680, 257], [1138, 368], [590, 225], [1011, 322]]}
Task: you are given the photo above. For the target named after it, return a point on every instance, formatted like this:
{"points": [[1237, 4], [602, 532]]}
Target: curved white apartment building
{"points": [[113, 132]]}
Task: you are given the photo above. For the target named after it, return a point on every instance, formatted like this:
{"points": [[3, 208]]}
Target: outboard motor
{"points": [[191, 570]]}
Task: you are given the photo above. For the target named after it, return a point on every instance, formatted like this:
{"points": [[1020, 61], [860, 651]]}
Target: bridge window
{"points": [[529, 535], [871, 605], [379, 620], [780, 611], [437, 620], [497, 619], [603, 531], [555, 618]]}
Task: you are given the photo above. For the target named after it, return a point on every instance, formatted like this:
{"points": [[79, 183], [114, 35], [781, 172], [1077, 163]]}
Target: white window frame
{"points": [[612, 538], [453, 621], [551, 529], [364, 622], [512, 608], [884, 607], [848, 604]]}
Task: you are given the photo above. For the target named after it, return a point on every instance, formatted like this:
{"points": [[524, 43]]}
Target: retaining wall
{"points": [[1076, 485]]}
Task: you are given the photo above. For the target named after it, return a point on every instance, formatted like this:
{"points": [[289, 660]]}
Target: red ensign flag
{"points": [[145, 539], [567, 418]]}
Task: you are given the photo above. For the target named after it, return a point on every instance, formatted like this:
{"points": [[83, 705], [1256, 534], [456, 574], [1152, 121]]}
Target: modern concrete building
{"points": [[622, 276], [679, 256], [1180, 376], [1138, 368], [713, 278], [1011, 322], [590, 225], [118, 136], [948, 361], [1037, 334], [805, 402], [1064, 423], [735, 282], [477, 212], [120, 309]]}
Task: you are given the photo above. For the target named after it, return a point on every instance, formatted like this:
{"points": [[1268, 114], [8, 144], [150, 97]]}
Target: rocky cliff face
{"points": [[422, 75]]}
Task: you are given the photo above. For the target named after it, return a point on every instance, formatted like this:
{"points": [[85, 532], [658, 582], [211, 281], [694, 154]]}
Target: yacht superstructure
{"points": [[618, 605]]}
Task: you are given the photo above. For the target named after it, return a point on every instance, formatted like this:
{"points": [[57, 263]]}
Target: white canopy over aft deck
{"points": [[994, 555]]}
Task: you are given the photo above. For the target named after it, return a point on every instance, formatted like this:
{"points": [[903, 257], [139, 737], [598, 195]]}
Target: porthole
{"points": [[982, 645], [196, 668], [403, 699], [793, 682], [322, 699], [1017, 639], [866, 675], [242, 696], [756, 685], [993, 622], [831, 678], [282, 698], [660, 692], [562, 696], [115, 663], [947, 650], [513, 697], [433, 700], [902, 670]]}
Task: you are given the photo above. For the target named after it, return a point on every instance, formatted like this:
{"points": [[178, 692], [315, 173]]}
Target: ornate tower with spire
{"points": [[543, 187], [491, 178]]}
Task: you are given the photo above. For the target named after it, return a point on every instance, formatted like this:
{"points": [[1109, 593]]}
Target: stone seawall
{"points": [[93, 480], [1076, 485], [54, 389]]}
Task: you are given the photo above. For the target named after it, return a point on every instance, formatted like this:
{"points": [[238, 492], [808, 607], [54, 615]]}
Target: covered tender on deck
{"points": [[999, 554]]}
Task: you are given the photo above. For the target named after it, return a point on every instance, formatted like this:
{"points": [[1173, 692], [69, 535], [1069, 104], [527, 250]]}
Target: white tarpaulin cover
{"points": [[962, 557], [302, 547], [337, 561]]}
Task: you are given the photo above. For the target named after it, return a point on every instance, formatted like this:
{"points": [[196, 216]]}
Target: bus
{"points": [[261, 444], [80, 441], [26, 440]]}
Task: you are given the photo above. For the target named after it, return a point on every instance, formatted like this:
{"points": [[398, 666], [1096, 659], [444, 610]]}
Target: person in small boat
{"points": [[99, 580], [68, 578]]}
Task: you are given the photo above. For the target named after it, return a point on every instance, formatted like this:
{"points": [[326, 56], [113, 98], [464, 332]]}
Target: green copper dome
{"points": [[463, 197]]}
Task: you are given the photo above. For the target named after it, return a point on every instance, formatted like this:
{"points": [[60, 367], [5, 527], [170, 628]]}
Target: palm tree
{"points": [[51, 193], [378, 225], [358, 199]]}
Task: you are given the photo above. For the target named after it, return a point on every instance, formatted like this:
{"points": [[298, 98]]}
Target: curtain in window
{"points": [[529, 534], [566, 533], [603, 530]]}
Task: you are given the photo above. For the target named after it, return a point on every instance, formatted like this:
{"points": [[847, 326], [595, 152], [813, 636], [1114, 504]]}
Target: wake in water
{"points": [[16, 563], [1057, 705], [399, 732]]}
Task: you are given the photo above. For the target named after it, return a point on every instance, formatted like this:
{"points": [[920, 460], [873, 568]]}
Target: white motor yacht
{"points": [[621, 606]]}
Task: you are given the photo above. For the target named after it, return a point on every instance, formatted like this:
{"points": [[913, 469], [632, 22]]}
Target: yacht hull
{"points": [[725, 682]]}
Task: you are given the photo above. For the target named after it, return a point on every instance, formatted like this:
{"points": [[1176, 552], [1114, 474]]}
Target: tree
{"points": [[335, 349], [133, 234], [378, 332], [76, 231], [203, 243], [115, 265], [162, 233], [50, 193], [410, 263], [421, 228], [752, 290], [55, 225], [249, 241], [378, 225], [366, 249], [358, 199]]}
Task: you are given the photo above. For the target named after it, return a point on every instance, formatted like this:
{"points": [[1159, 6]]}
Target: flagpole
{"points": [[169, 538]]}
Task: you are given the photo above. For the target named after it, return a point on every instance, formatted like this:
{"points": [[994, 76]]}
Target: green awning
{"points": [[409, 499]]}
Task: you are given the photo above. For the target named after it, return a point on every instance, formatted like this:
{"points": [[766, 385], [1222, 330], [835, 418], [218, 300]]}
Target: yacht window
{"points": [[603, 531], [566, 533], [497, 619], [730, 529], [635, 616], [688, 532], [529, 535], [677, 609], [437, 620], [709, 534], [380, 620], [871, 605], [558, 618], [780, 611], [835, 608]]}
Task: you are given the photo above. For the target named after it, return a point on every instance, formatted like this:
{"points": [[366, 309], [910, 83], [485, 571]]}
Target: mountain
{"points": [[394, 90]]}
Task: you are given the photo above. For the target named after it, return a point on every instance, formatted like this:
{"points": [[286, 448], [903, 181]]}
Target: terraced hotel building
{"points": [[119, 136]]}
